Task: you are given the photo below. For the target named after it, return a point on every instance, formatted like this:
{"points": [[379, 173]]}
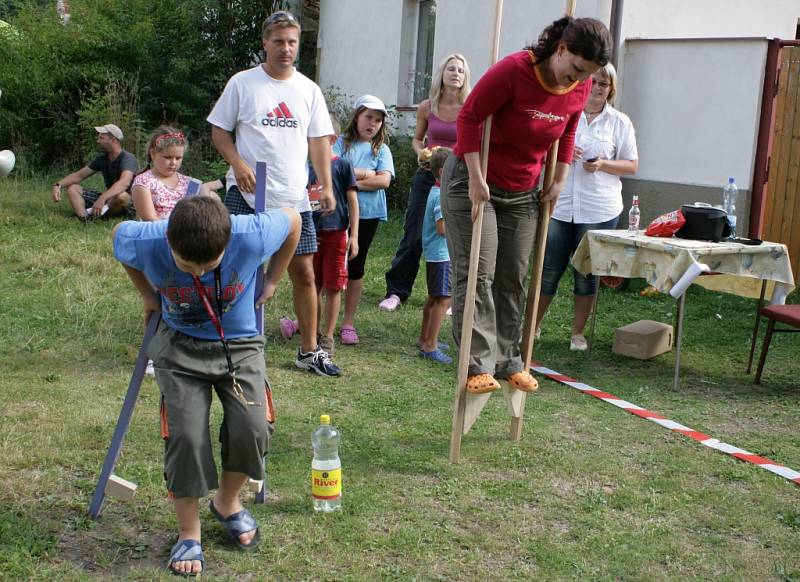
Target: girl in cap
{"points": [[363, 143], [158, 188]]}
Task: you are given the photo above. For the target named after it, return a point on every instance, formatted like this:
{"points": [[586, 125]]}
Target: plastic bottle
{"points": [[634, 215], [729, 193], [326, 468]]}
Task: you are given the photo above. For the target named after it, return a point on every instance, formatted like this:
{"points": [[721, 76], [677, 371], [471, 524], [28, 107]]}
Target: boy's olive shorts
{"points": [[186, 369]]}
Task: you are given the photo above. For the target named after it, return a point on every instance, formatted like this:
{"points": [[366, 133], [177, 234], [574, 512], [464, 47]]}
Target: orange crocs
{"points": [[482, 383], [523, 381]]}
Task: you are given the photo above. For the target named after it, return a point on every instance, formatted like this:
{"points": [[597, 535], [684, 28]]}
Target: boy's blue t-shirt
{"points": [[344, 179], [254, 238], [434, 245], [370, 204]]}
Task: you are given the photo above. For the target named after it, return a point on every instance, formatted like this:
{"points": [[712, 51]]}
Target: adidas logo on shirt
{"points": [[279, 117]]}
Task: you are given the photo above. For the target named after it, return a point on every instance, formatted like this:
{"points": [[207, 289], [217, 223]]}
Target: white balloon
{"points": [[7, 161]]}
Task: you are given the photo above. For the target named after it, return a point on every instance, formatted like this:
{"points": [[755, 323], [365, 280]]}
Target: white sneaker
{"points": [[150, 369], [578, 343], [391, 303]]}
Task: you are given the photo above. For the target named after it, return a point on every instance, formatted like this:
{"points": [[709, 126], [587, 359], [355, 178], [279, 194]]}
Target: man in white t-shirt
{"points": [[279, 116]]}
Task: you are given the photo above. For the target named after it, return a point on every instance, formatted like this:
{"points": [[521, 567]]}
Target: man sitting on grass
{"points": [[203, 264], [118, 168]]}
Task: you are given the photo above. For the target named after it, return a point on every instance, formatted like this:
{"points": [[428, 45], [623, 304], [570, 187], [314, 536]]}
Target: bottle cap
{"points": [[730, 180], [324, 419]]}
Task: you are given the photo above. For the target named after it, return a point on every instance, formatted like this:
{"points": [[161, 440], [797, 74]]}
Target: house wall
{"points": [[358, 54], [364, 43], [694, 102]]}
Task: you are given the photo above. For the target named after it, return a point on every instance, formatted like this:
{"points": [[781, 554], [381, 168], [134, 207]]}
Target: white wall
{"points": [[466, 26], [695, 105], [359, 44], [360, 40], [709, 18]]}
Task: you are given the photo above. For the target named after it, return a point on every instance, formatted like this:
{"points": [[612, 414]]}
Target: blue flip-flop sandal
{"points": [[186, 550], [237, 524]]}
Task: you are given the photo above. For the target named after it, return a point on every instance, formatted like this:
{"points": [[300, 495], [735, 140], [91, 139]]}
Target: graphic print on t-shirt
{"points": [[540, 115], [186, 308], [281, 116]]}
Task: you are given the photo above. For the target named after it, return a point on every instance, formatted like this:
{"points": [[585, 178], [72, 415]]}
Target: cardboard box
{"points": [[643, 339]]}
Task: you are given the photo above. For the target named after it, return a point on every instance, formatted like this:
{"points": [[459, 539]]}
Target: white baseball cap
{"points": [[370, 102], [111, 129]]}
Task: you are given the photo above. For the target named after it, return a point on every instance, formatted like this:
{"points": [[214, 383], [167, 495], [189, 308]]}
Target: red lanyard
{"points": [[215, 319]]}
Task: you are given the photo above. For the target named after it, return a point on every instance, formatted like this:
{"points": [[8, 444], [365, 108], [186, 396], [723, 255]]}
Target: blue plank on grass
{"points": [[124, 420]]}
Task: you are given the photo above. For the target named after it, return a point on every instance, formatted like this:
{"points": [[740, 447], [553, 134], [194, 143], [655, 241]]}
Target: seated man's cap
{"points": [[112, 129]]}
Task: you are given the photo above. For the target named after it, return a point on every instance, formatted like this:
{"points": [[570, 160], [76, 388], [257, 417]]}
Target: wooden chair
{"points": [[788, 314]]}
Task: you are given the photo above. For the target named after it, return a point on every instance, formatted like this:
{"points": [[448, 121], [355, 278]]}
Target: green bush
{"points": [[56, 79], [405, 166]]}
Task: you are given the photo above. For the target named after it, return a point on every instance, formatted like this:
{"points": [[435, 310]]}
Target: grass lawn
{"points": [[590, 492]]}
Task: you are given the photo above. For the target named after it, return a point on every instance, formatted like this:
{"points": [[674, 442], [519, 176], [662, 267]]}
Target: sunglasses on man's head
{"points": [[280, 16]]}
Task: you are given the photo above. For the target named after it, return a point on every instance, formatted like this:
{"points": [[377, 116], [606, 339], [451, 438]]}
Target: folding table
{"points": [[672, 264]]}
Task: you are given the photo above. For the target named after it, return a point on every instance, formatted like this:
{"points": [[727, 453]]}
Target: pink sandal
{"points": [[348, 335]]}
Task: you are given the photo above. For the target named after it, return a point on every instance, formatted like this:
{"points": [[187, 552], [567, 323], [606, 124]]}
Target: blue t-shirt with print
{"points": [[255, 238], [434, 245], [370, 204]]}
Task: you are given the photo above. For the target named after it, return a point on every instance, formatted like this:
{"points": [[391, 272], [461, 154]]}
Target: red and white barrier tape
{"points": [[701, 438]]}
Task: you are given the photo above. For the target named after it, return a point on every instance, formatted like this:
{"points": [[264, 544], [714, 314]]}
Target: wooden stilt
{"points": [[259, 487], [532, 304], [109, 483], [467, 407]]}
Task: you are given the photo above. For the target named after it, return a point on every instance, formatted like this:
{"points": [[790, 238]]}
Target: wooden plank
{"points": [[792, 187], [779, 164], [119, 488], [771, 216], [473, 405], [261, 202], [460, 424], [791, 149], [124, 420]]}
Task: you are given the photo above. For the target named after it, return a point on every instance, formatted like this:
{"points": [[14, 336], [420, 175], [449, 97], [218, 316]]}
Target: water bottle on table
{"points": [[326, 468], [634, 215], [729, 193]]}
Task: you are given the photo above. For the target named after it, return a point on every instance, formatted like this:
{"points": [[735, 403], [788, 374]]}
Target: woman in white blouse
{"points": [[605, 150]]}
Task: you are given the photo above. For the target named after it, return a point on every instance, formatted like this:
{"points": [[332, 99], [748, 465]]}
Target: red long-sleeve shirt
{"points": [[527, 116]]}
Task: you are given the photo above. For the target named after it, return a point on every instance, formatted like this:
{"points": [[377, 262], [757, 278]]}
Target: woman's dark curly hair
{"points": [[586, 37]]}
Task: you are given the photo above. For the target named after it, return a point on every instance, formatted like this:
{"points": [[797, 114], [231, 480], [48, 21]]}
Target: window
{"points": [[426, 25]]}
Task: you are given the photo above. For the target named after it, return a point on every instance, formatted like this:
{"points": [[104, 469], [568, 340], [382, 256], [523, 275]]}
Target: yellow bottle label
{"points": [[326, 484]]}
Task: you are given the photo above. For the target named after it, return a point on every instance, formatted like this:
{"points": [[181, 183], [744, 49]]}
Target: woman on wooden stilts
{"points": [[535, 96]]}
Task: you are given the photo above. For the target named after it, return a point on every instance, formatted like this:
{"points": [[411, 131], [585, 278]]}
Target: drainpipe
{"points": [[616, 28]]}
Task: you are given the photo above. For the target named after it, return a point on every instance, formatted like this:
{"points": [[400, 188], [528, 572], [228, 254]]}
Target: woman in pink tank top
{"points": [[436, 126]]}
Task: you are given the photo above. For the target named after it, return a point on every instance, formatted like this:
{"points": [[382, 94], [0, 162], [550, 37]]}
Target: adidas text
{"points": [[279, 122]]}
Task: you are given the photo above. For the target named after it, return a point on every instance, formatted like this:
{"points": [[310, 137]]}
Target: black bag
{"points": [[704, 223]]}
